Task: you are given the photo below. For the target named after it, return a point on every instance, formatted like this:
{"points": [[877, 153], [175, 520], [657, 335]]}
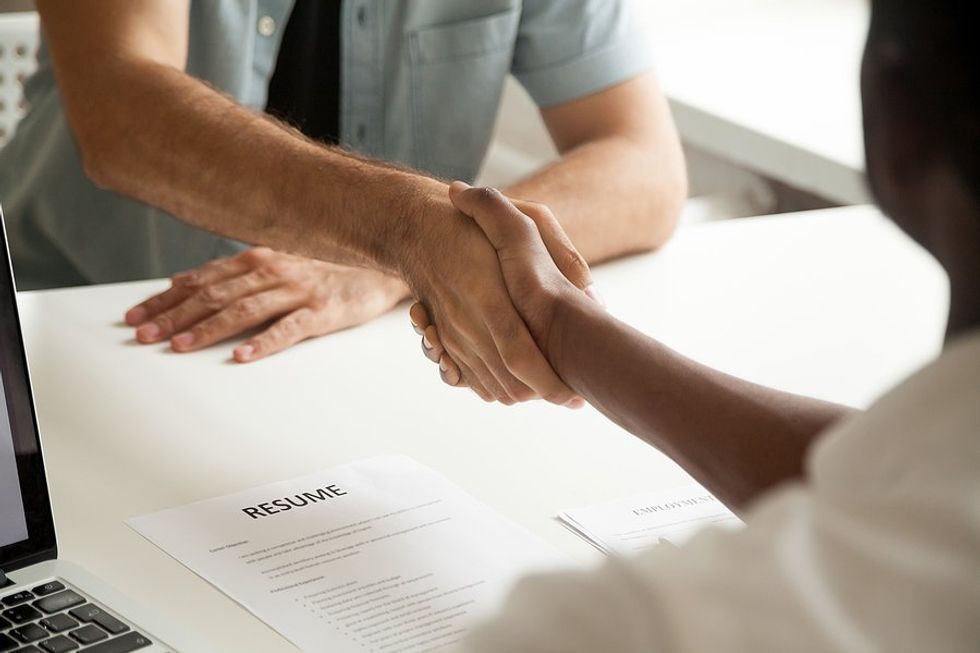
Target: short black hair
{"points": [[934, 46]]}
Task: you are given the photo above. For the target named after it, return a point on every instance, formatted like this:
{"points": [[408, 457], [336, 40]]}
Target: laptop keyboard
{"points": [[54, 618]]}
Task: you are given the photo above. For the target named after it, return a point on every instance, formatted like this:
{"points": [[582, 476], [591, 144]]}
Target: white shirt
{"points": [[878, 551]]}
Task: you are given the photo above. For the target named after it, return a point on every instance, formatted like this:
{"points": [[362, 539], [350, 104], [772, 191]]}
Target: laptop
{"points": [[47, 605]]}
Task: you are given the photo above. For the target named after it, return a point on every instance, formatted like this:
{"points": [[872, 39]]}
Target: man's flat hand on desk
{"points": [[304, 298]]}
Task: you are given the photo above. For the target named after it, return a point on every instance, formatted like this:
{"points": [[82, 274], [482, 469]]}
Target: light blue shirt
{"points": [[421, 85]]}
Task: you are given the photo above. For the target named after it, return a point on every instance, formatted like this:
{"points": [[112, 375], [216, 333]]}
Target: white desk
{"points": [[769, 84], [837, 304]]}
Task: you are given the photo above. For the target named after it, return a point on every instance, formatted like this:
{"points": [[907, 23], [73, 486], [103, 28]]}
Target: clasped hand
{"points": [[540, 267]]}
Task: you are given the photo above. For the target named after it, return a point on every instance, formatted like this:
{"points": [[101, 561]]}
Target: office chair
{"points": [[19, 35]]}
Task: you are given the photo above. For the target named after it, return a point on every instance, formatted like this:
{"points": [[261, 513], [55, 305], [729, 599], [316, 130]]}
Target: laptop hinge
{"points": [[4, 581]]}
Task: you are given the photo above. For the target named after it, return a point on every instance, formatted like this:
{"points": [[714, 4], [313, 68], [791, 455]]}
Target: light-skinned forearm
{"points": [[735, 437], [169, 140], [612, 196]]}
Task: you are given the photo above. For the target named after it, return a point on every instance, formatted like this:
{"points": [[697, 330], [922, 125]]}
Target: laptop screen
{"points": [[26, 524], [13, 518]]}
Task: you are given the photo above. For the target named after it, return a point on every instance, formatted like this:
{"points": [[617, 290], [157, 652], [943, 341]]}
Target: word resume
{"points": [[382, 555]]}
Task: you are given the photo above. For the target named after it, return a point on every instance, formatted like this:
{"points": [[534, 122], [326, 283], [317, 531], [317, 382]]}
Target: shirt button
{"points": [[361, 16], [361, 132], [267, 26]]}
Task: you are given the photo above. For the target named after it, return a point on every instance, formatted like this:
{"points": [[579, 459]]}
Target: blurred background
{"points": [[743, 77]]}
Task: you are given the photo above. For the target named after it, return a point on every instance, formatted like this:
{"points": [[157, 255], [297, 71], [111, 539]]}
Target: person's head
{"points": [[921, 91]]}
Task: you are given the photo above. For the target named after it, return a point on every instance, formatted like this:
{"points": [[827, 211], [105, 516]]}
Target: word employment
{"points": [[270, 508]]}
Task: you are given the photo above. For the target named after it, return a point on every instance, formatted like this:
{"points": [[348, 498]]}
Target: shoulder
{"points": [[926, 427]]}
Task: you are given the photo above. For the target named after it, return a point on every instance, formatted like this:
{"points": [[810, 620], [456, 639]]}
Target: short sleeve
{"points": [[567, 49]]}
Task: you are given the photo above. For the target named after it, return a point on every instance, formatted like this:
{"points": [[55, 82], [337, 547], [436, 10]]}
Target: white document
{"points": [[381, 555], [631, 525]]}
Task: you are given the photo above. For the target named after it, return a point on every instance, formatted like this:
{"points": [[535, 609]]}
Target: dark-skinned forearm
{"points": [[737, 438]]}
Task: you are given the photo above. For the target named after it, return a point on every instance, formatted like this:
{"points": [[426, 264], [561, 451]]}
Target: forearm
{"points": [[612, 196], [737, 438], [169, 140]]}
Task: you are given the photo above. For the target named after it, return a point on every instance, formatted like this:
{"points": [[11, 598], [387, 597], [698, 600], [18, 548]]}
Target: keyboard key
{"points": [[110, 623], [29, 633], [29, 649], [59, 623], [85, 613], [17, 598], [124, 644], [88, 635], [22, 614], [4, 624], [58, 602], [59, 644], [7, 644], [89, 613], [48, 588]]}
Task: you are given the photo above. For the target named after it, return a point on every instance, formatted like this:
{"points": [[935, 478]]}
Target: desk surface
{"points": [[837, 304], [769, 84]]}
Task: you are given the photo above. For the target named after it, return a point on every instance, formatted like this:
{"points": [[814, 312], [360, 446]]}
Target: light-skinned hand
{"points": [[455, 275], [303, 298], [538, 262]]}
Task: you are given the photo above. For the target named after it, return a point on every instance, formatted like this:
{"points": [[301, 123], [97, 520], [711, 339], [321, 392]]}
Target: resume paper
{"points": [[382, 555], [631, 525]]}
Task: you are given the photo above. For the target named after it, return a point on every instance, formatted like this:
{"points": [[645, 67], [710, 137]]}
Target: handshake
{"points": [[494, 329], [490, 275]]}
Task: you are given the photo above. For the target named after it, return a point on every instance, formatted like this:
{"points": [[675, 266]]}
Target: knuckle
{"points": [[152, 305], [274, 269], [525, 394], [538, 211], [287, 329], [557, 396], [166, 322], [189, 280], [256, 255], [451, 343], [212, 297], [481, 393], [504, 329], [246, 309], [490, 195], [513, 388], [519, 360], [294, 327], [576, 265], [203, 332]]}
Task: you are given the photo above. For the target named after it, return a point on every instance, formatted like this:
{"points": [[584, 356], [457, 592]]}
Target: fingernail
{"points": [[575, 403], [443, 365], [593, 293], [182, 340], [136, 316], [244, 352], [426, 343], [148, 332]]}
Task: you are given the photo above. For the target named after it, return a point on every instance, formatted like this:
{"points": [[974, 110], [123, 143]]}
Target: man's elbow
{"points": [[667, 197], [99, 157]]}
